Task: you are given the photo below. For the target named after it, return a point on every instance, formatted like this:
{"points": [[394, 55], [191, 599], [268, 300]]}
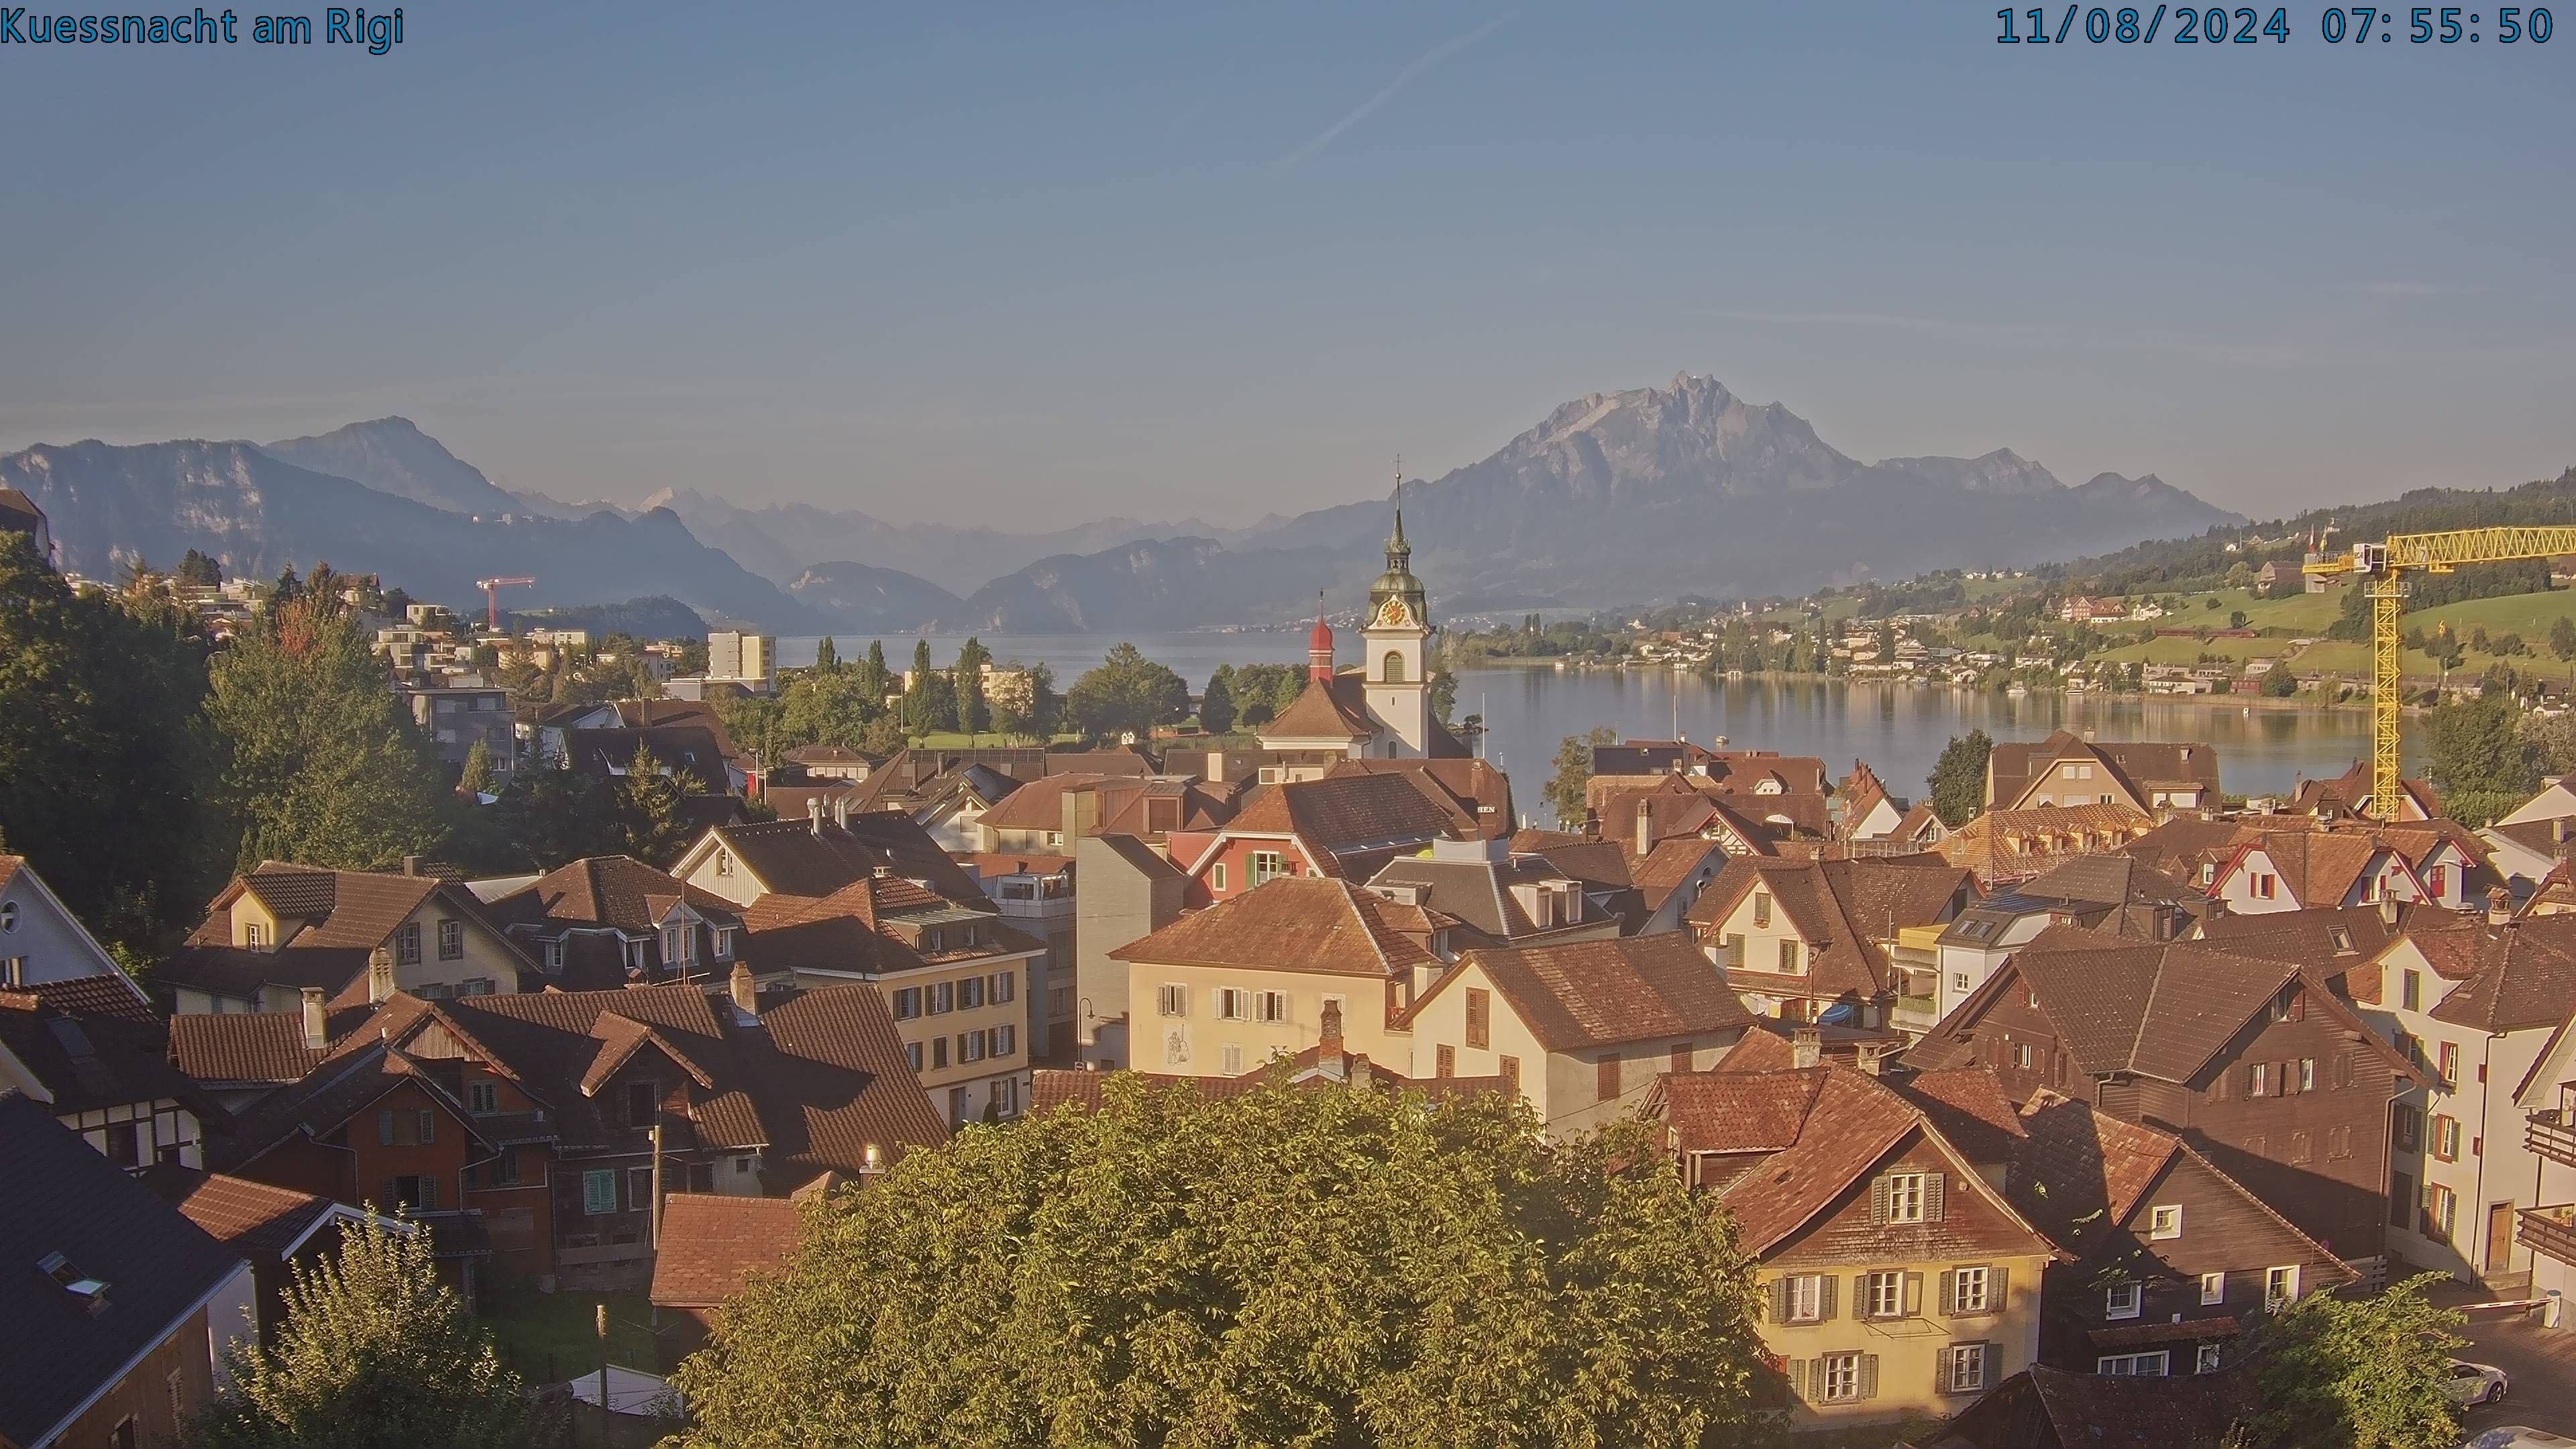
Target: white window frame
{"points": [[1233, 1003], [2207, 1360], [1267, 866], [1230, 1059], [2213, 1288], [2136, 1364], [1172, 999], [1838, 1378], [1882, 1295], [1908, 1195], [2280, 1287], [1964, 1367], [1270, 1006], [2164, 1222], [1216, 876], [2123, 1300], [1806, 1298], [1964, 1301]]}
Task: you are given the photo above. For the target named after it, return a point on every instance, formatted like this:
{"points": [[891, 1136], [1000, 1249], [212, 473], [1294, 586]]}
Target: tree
{"points": [[323, 764], [552, 816], [972, 714], [928, 702], [873, 674], [1566, 790], [100, 723], [2481, 763], [375, 1353], [649, 822], [826, 656], [1444, 695], [2235, 619], [199, 571], [1958, 778], [2355, 1374], [1216, 706], [1126, 694], [2562, 638], [477, 775], [1286, 1266], [2279, 682]]}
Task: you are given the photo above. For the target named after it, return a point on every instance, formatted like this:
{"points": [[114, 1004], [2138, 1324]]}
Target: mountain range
{"points": [[1613, 499]]}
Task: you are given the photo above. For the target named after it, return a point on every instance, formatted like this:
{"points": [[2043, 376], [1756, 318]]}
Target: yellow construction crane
{"points": [[2384, 570]]}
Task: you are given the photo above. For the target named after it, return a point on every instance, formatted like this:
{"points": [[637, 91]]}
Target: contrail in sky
{"points": [[1404, 77]]}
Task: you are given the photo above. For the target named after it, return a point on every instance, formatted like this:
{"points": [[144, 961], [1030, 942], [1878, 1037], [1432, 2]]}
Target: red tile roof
{"points": [[264, 1046], [1295, 923], [712, 1244], [258, 1221], [1577, 995]]}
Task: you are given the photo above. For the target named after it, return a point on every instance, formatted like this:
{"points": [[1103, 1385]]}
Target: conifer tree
{"points": [[648, 808]]}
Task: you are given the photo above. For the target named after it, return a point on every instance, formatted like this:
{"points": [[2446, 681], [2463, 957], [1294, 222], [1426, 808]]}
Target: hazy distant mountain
{"points": [[259, 515], [391, 455], [1686, 489], [859, 596], [1149, 584], [782, 540]]}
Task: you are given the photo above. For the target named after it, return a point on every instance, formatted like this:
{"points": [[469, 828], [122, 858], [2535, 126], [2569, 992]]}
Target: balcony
{"points": [[2550, 1231], [2549, 1135], [1915, 1013]]}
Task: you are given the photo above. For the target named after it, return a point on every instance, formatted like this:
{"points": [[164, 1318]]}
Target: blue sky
{"points": [[1030, 264]]}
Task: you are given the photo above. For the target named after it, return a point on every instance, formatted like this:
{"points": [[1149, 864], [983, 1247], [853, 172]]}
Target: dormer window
{"points": [[555, 957], [724, 862], [254, 933], [724, 943], [90, 1292]]}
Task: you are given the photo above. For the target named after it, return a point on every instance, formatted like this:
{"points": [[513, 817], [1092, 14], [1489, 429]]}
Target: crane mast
{"points": [[2386, 570]]}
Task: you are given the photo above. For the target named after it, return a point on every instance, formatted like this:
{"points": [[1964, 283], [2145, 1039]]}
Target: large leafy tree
{"points": [[103, 756], [1958, 778], [2481, 761], [649, 821], [1126, 693], [1288, 1266], [375, 1353], [1567, 789], [2355, 1374], [323, 766], [967, 686], [1216, 706], [552, 816]]}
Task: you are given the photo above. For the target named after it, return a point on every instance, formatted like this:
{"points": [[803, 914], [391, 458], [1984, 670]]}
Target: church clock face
{"points": [[1393, 615]]}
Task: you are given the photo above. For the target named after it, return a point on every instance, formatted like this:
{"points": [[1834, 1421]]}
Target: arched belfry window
{"points": [[1394, 671]]}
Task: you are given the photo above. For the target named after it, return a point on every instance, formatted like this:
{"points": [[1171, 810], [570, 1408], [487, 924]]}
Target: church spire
{"points": [[1398, 552]]}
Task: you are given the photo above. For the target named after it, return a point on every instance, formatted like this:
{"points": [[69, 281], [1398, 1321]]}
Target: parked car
{"points": [[2516, 1436], [2476, 1383]]}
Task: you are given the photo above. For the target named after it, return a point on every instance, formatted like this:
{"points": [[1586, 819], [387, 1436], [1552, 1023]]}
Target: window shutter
{"points": [[1825, 1301], [1798, 1376], [1877, 1202], [1861, 1306], [1779, 1300], [428, 1193], [1869, 1376], [428, 1125], [385, 1131], [1932, 1197], [1913, 1299], [1998, 1283], [1949, 1294]]}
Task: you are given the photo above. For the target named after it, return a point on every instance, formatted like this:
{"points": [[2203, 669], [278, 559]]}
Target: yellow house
{"points": [[1800, 938], [283, 930], [1222, 991], [1585, 1028], [1896, 1279]]}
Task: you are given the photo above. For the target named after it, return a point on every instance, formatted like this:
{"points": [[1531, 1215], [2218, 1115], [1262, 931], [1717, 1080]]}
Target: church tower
{"points": [[1397, 668]]}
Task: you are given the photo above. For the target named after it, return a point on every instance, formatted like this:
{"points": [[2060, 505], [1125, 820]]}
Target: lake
{"points": [[1899, 729]]}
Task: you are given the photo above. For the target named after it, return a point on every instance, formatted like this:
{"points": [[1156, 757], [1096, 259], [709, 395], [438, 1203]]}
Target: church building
{"points": [[1379, 711]]}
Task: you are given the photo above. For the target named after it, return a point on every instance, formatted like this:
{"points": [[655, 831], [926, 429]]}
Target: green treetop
{"points": [[1958, 778], [1126, 694]]}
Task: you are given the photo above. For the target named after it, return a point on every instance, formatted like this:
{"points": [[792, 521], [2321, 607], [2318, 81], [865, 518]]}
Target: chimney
{"points": [[1645, 829], [814, 813], [1806, 1047], [2558, 830], [841, 809], [1330, 1037], [881, 871], [746, 996], [2499, 906], [317, 1034], [411, 865], [2387, 909], [380, 974]]}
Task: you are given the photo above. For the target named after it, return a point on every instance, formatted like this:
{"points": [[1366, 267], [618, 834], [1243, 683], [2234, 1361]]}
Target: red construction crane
{"points": [[492, 596]]}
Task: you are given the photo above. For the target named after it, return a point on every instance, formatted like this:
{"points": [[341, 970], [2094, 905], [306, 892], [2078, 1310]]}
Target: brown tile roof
{"points": [[711, 1244], [688, 749], [258, 1221], [2345, 793], [1669, 866], [339, 1089], [2318, 867], [1326, 709], [1587, 858], [794, 857], [1039, 804], [1969, 1106], [2053, 1407], [1577, 995], [2140, 766], [1345, 820], [2333, 940], [2525, 976], [827, 1071], [605, 890], [1843, 909], [328, 921], [1477, 796], [87, 1062], [1295, 923], [859, 928], [1740, 1110], [103, 996], [2184, 844], [260, 1046], [2011, 844]]}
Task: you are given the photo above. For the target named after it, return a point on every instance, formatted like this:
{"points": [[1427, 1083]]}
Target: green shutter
{"points": [[1779, 1294], [1869, 1376], [1998, 1285], [1825, 1303], [1932, 1197]]}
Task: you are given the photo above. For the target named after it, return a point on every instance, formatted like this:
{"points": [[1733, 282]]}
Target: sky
{"points": [[1031, 264]]}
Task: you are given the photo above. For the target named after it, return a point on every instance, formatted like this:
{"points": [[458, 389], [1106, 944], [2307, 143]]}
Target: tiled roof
{"points": [[1587, 858], [1326, 709], [1039, 804], [328, 922], [335, 1091], [102, 995], [1295, 923], [2525, 976], [827, 1072], [1477, 796], [1346, 818], [87, 1062], [2320, 867], [1850, 1123], [1668, 866], [689, 749], [258, 1046], [1313, 1069], [2103, 1411], [2140, 766], [2342, 940], [1478, 893], [1969, 1106], [1740, 1111], [605, 890], [711, 1244], [1576, 995], [258, 1221], [797, 858], [854, 930], [61, 1196], [1842, 909], [2008, 844]]}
